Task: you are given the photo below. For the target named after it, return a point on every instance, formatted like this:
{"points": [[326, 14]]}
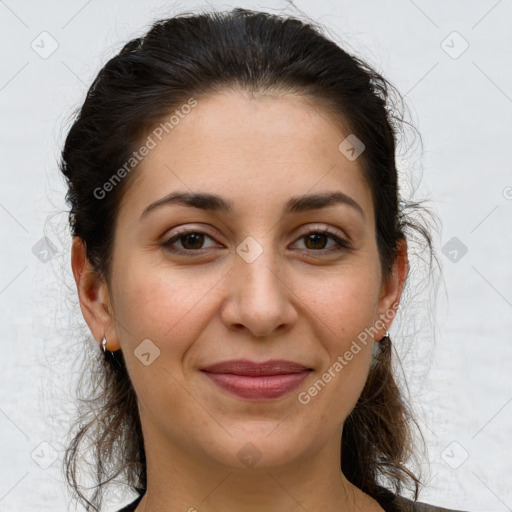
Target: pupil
{"points": [[198, 238], [316, 237]]}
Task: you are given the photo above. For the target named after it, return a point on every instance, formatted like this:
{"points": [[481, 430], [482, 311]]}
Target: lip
{"points": [[255, 369], [257, 381]]}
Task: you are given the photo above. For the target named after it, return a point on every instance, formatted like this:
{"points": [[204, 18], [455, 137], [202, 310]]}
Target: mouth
{"points": [[257, 381]]}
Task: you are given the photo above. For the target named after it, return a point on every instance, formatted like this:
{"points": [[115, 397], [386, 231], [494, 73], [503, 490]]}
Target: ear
{"points": [[93, 296], [391, 290]]}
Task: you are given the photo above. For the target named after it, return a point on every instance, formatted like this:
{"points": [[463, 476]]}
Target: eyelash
{"points": [[341, 244]]}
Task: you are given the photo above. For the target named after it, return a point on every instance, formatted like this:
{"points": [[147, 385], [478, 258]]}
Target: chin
{"points": [[258, 445]]}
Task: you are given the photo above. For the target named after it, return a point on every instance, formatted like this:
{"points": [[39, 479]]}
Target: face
{"points": [[260, 277]]}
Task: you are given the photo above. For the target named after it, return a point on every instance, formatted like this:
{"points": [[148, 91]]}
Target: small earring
{"points": [[386, 335], [104, 344]]}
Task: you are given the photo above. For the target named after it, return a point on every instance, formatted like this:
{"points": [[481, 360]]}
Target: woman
{"points": [[240, 253]]}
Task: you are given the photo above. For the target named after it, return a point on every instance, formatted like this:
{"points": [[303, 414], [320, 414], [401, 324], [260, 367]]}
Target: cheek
{"points": [[169, 309], [344, 312], [164, 306], [344, 302]]}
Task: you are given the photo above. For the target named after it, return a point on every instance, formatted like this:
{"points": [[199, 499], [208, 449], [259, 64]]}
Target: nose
{"points": [[258, 297]]}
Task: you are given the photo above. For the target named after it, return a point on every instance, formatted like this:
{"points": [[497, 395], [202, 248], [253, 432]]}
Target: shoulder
{"points": [[401, 504], [392, 502]]}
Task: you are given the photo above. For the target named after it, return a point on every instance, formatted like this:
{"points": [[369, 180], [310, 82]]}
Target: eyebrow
{"points": [[214, 203]]}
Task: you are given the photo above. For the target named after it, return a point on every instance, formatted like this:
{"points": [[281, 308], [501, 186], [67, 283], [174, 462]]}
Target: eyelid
{"points": [[325, 229], [184, 230], [306, 230]]}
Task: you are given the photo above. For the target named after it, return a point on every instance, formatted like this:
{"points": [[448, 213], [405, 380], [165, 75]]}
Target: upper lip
{"points": [[252, 368]]}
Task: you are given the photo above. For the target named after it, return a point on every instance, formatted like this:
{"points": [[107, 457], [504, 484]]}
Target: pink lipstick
{"points": [[257, 381]]}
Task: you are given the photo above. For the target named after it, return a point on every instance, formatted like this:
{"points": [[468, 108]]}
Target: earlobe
{"points": [[93, 296]]}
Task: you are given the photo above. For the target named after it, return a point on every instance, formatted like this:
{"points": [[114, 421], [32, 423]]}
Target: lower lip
{"points": [[258, 388]]}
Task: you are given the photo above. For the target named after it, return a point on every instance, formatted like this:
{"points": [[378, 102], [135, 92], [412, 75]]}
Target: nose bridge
{"points": [[257, 266], [258, 299]]}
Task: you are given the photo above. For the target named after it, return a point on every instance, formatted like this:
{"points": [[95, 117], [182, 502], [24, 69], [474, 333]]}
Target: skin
{"points": [[199, 310]]}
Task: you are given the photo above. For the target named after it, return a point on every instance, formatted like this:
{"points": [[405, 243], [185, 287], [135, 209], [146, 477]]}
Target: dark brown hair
{"points": [[192, 55]]}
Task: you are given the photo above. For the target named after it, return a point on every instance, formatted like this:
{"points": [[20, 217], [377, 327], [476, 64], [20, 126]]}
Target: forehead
{"points": [[256, 150]]}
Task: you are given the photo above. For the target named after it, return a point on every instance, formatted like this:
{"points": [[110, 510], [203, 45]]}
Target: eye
{"points": [[317, 239], [192, 241]]}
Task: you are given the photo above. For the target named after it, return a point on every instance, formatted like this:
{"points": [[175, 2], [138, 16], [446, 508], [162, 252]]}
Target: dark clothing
{"points": [[133, 505], [387, 500]]}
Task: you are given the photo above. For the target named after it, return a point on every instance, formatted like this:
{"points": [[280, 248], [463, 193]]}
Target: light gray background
{"points": [[463, 108]]}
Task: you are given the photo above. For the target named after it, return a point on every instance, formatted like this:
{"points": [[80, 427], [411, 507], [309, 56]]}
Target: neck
{"points": [[179, 480]]}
